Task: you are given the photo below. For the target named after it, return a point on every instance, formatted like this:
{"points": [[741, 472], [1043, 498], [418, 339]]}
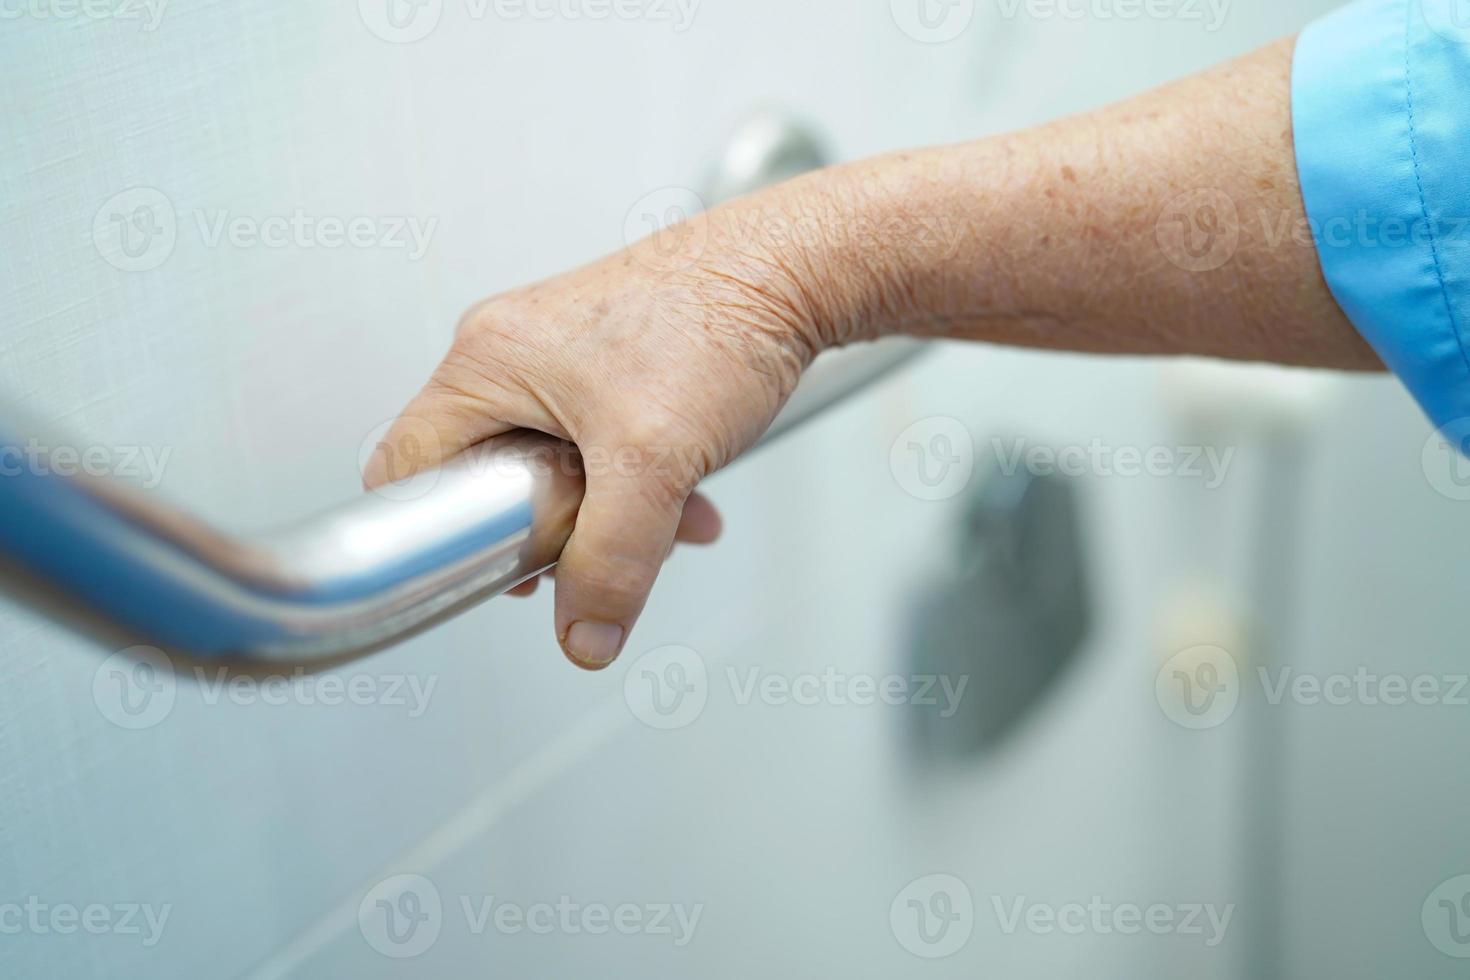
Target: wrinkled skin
{"points": [[661, 371], [667, 360]]}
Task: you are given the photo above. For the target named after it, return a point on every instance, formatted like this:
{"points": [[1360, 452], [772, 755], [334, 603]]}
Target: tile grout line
{"points": [[481, 813], [472, 820]]}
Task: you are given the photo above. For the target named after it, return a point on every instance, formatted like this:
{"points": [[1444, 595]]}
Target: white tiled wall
{"points": [[526, 142]]}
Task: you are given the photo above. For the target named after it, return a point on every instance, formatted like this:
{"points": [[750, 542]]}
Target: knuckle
{"points": [[456, 383], [621, 585], [495, 345], [652, 427], [663, 467], [666, 488], [472, 320], [473, 381]]}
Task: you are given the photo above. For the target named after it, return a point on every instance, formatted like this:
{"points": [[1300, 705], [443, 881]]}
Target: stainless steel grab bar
{"points": [[350, 581]]}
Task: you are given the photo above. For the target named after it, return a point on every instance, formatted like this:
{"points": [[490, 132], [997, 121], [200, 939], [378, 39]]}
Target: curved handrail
{"points": [[349, 581]]}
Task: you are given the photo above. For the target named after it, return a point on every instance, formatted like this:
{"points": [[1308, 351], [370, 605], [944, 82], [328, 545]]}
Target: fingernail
{"points": [[594, 644]]}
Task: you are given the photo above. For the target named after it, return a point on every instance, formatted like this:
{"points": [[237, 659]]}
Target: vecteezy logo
{"points": [[407, 461], [667, 688], [933, 459], [1446, 917], [401, 21], [1450, 19], [401, 917], [136, 230], [663, 218], [1199, 230], [933, 21], [1446, 460], [135, 688], [933, 917], [1199, 688]]}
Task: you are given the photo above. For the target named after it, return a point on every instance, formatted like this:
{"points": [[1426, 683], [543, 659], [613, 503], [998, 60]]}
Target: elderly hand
{"points": [[1131, 229], [662, 363]]}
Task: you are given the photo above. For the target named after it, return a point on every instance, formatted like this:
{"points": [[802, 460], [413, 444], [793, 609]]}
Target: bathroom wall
{"points": [[515, 144]]}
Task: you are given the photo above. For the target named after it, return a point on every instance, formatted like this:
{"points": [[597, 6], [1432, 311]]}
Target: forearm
{"points": [[1168, 224], [1171, 224]]}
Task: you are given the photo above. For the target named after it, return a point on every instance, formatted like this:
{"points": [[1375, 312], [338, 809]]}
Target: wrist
{"points": [[911, 238], [822, 249]]}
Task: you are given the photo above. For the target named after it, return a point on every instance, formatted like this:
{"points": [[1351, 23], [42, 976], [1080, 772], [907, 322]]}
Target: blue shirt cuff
{"points": [[1381, 113]]}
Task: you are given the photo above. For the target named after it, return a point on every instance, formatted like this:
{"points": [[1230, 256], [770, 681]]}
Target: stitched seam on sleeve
{"points": [[1444, 288]]}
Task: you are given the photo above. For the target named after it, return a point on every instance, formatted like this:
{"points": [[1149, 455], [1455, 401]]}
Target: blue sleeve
{"points": [[1381, 113]]}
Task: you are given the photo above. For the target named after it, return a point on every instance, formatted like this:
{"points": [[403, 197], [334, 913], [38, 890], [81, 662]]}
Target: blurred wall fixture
{"points": [[1010, 618], [767, 147]]}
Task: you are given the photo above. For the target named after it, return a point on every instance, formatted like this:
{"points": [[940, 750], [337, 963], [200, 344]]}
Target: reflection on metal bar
{"points": [[352, 580]]}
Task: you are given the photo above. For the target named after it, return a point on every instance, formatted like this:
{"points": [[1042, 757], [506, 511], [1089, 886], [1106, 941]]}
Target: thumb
{"points": [[624, 531]]}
